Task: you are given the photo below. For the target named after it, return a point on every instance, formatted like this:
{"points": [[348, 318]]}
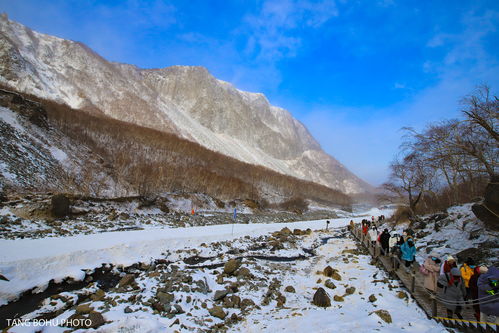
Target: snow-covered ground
{"points": [[31, 262]]}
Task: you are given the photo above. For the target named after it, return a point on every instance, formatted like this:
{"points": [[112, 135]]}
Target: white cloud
{"points": [[272, 30]]}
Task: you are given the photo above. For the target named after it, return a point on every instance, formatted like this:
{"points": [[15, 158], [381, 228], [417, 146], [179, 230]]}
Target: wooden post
{"points": [[413, 282], [433, 306]]}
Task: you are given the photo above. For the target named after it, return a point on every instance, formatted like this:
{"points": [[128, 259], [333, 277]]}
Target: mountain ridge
{"points": [[186, 101]]}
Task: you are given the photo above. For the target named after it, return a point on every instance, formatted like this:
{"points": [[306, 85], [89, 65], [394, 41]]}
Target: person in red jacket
{"points": [[365, 229]]}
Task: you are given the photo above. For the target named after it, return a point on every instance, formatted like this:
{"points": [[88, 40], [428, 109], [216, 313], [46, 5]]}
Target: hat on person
{"points": [[455, 271], [483, 269], [450, 258]]}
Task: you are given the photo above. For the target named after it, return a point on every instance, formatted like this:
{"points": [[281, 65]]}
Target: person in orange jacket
{"points": [[466, 274]]}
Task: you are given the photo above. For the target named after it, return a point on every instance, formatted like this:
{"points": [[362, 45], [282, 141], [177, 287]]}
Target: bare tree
{"points": [[482, 110], [409, 178]]}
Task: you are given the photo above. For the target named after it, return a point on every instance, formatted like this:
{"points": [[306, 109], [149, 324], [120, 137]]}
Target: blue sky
{"points": [[354, 72]]}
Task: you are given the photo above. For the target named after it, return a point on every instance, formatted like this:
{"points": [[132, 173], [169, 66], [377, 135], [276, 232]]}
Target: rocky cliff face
{"points": [[187, 101]]}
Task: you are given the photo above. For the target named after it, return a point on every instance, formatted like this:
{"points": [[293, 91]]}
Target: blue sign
{"points": [[235, 213]]}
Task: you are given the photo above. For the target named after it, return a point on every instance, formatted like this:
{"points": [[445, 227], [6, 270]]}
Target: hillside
{"points": [[186, 101]]}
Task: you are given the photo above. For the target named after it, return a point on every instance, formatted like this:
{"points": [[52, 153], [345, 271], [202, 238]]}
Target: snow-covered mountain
{"points": [[187, 101]]}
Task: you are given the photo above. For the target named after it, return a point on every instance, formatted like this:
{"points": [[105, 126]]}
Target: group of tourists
{"points": [[403, 246], [454, 286], [468, 283]]}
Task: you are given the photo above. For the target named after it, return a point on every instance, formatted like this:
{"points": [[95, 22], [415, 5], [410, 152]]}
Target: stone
{"points": [[165, 298], [96, 319], [297, 232], [285, 231], [177, 309], [330, 284], [281, 300], [385, 315], [220, 294], [401, 295], [246, 302], [243, 272], [350, 290], [328, 271], [126, 280], [84, 308], [98, 295], [235, 300], [217, 311], [128, 310], [60, 206], [372, 298], [336, 276], [321, 298], [289, 289], [338, 298], [231, 266]]}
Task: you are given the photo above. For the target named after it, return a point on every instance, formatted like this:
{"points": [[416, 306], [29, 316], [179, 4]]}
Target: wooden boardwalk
{"points": [[413, 281]]}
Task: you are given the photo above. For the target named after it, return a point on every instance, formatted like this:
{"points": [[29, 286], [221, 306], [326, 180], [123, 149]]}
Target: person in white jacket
{"points": [[373, 235]]}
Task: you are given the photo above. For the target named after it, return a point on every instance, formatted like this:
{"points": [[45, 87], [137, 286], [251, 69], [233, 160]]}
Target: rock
{"points": [[98, 295], [235, 300], [330, 284], [246, 302], [385, 315], [220, 294], [289, 289], [281, 299], [231, 266], [234, 318], [165, 298], [401, 295], [350, 290], [177, 309], [474, 234], [338, 298], [351, 251], [297, 232], [321, 298], [285, 231], [84, 308], [372, 298], [128, 310], [488, 210], [96, 319], [308, 231], [60, 206], [243, 272], [126, 280], [336, 276], [328, 271], [218, 312]]}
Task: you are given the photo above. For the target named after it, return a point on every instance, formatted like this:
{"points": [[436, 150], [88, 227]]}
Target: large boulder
{"points": [[385, 315], [488, 209], [231, 266], [321, 298], [61, 206], [217, 311]]}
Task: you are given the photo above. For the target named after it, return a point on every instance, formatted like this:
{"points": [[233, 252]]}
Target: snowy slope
{"points": [[187, 101], [213, 245]]}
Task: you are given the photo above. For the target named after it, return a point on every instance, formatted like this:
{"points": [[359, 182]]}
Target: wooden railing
{"points": [[430, 302]]}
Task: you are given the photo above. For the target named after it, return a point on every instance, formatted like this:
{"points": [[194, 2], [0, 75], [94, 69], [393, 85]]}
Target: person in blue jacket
{"points": [[488, 294], [408, 252]]}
